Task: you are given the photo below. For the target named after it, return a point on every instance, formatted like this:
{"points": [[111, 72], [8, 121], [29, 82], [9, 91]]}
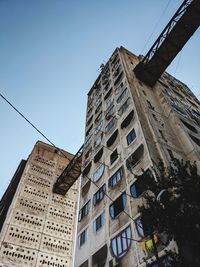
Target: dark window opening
{"points": [[99, 195], [108, 94], [150, 105], [162, 135], [154, 116], [87, 169], [100, 257], [127, 120], [89, 121], [135, 158], [118, 206], [98, 117], [144, 92], [122, 96], [112, 139], [131, 137], [113, 157], [195, 139], [118, 78], [98, 156], [189, 126], [98, 108], [116, 177], [89, 130]]}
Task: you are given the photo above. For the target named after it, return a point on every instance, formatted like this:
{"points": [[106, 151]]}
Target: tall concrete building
{"points": [[38, 226], [129, 127]]}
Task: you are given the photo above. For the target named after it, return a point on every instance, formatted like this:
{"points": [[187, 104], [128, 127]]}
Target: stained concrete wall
{"points": [[40, 225]]}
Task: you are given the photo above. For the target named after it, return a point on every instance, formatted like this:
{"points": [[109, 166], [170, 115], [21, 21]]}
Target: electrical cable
{"points": [[32, 125], [154, 28]]}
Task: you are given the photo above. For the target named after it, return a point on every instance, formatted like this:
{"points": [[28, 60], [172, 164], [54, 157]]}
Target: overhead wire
{"points": [[155, 26], [32, 125]]}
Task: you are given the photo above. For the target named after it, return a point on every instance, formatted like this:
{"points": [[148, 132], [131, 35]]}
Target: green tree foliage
{"points": [[174, 209]]}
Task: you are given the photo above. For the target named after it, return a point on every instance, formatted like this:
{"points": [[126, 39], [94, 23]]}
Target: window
{"points": [[131, 137], [127, 120], [98, 173], [112, 139], [110, 112], [195, 139], [97, 139], [116, 177], [124, 107], [110, 125], [87, 169], [84, 211], [119, 89], [88, 141], [98, 108], [113, 156], [98, 117], [121, 97], [118, 79], [162, 135], [89, 120], [108, 101], [135, 158], [139, 227], [98, 127], [154, 116], [118, 206], [189, 126], [108, 94], [98, 156], [150, 105], [89, 130], [121, 243], [99, 195], [82, 238], [99, 222], [137, 188]]}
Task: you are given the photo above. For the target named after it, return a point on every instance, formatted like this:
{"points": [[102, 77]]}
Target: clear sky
{"points": [[50, 53]]}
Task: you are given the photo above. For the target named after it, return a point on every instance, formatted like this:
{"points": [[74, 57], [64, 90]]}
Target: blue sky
{"points": [[50, 53]]}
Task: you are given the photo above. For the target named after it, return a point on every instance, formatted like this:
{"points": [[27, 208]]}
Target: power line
{"points": [[155, 26], [32, 125]]}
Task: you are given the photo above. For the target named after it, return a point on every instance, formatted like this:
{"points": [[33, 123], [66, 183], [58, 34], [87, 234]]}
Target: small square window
{"points": [[131, 137], [113, 157]]}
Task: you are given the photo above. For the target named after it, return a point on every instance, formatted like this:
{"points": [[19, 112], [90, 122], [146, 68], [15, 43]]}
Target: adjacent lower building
{"points": [[129, 127], [38, 226]]}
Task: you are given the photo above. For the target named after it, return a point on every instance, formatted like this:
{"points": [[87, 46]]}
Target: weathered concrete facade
{"points": [[129, 127], [39, 227]]}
